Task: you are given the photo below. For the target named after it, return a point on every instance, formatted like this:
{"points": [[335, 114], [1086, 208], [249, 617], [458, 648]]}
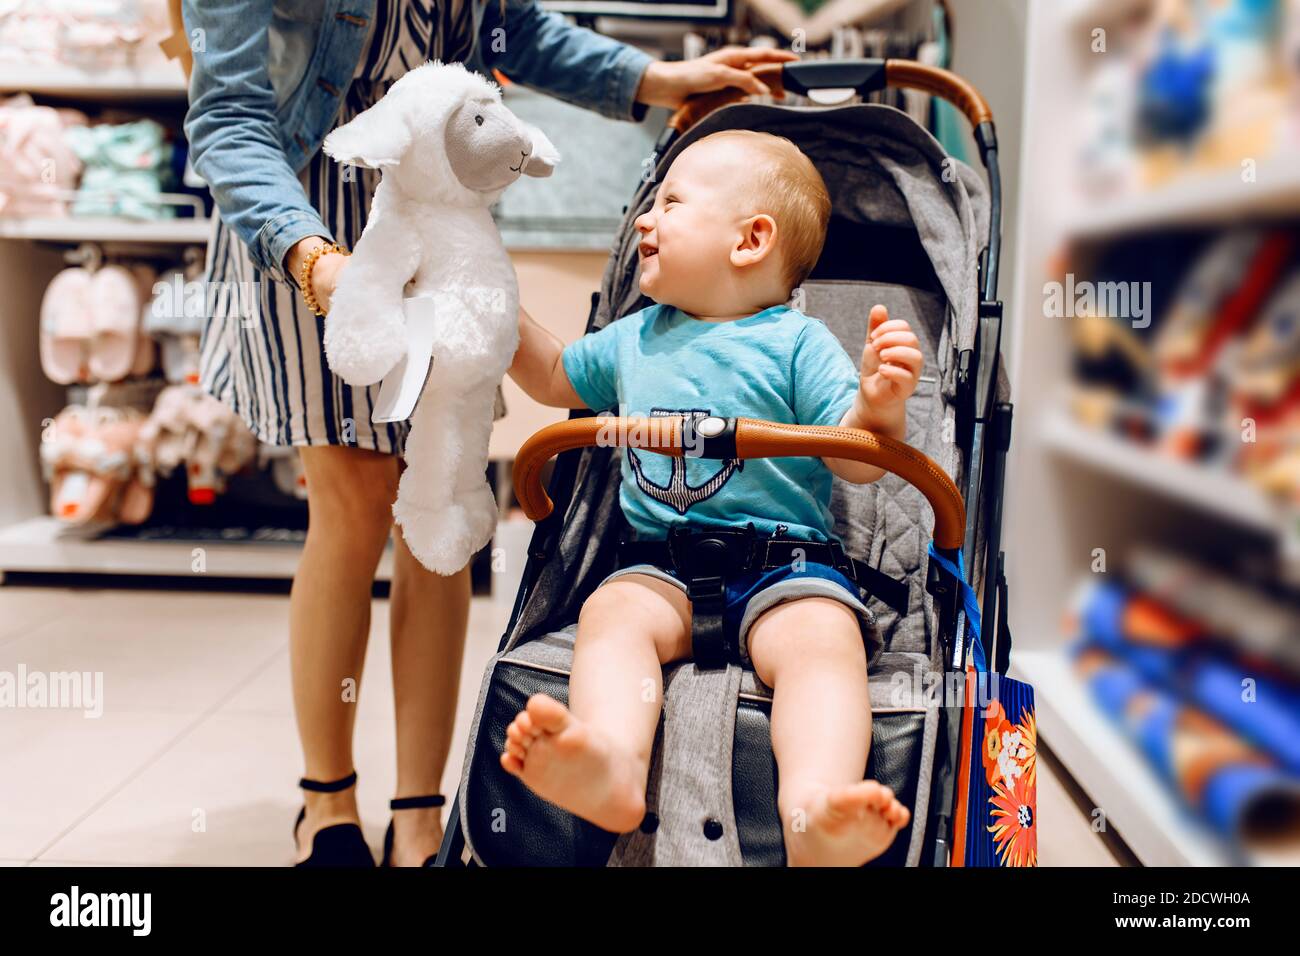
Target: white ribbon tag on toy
{"points": [[401, 388]]}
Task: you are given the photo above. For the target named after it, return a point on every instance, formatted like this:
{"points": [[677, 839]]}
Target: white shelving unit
{"points": [[74, 229], [1197, 199], [1197, 487], [1137, 804], [30, 255], [43, 545], [110, 85], [1072, 490]]}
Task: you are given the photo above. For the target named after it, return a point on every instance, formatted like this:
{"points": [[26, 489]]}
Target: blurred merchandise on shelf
{"points": [[1265, 381], [1189, 85], [90, 324], [285, 465], [126, 168], [1210, 373], [175, 314], [38, 166], [56, 162], [1218, 722], [92, 36], [1221, 296], [188, 426], [88, 456], [1256, 625], [127, 430]]}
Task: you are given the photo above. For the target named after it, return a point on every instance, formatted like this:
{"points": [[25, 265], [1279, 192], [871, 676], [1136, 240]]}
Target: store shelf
{"points": [[1208, 490], [121, 83], [44, 545], [1117, 778], [73, 229], [1195, 199]]}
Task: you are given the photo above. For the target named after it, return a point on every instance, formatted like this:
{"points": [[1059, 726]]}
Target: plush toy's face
{"points": [[487, 147], [440, 123]]}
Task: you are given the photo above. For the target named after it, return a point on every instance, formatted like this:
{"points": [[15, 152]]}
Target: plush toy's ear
{"points": [[544, 157], [375, 139]]}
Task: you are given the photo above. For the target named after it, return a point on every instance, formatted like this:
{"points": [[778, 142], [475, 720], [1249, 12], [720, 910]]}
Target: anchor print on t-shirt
{"points": [[678, 493]]}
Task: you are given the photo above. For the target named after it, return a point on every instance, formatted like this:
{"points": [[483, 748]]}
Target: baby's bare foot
{"points": [[574, 766], [844, 826]]}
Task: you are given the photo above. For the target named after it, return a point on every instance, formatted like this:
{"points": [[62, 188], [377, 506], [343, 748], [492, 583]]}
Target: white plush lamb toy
{"points": [[448, 147]]}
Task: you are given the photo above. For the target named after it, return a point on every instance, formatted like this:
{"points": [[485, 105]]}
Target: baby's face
{"points": [[688, 236]]}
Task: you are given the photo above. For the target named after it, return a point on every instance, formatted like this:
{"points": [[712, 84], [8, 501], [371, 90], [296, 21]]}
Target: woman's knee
{"points": [[351, 490]]}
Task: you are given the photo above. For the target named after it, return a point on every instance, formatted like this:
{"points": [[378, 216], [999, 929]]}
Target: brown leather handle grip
{"points": [[754, 439], [900, 74], [957, 90]]}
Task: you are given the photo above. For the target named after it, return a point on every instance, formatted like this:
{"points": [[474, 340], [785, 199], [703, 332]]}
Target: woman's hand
{"points": [[324, 274], [668, 84]]}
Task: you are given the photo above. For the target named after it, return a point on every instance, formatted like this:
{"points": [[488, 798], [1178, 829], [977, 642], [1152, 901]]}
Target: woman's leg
{"points": [[349, 499], [429, 614]]}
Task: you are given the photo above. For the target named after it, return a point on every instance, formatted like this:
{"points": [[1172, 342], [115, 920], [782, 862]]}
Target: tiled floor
{"points": [[195, 758]]}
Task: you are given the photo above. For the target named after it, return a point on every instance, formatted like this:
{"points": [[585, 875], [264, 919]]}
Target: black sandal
{"points": [[342, 844], [408, 803]]}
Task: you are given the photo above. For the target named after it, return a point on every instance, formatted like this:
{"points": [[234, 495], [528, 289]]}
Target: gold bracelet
{"points": [[304, 274]]}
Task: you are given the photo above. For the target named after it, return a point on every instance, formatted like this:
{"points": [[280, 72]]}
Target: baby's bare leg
{"points": [[810, 652], [593, 757]]}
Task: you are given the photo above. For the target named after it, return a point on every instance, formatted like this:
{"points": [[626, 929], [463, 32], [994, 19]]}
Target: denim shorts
{"points": [[751, 593]]}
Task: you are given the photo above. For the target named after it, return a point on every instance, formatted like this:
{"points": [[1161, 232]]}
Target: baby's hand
{"points": [[891, 361]]}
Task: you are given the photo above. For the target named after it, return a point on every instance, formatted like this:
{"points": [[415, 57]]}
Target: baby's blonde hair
{"points": [[792, 191]]}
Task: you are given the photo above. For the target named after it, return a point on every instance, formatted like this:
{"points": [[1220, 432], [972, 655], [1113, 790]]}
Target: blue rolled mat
{"points": [[1236, 789]]}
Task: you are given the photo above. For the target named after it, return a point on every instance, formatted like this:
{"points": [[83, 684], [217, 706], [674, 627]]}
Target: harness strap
{"points": [[745, 550]]}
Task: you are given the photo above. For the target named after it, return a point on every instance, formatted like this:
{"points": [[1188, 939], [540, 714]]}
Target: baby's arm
{"points": [[537, 367], [891, 366]]}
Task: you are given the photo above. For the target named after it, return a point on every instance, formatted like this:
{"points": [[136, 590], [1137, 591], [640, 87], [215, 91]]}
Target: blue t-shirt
{"points": [[778, 365]]}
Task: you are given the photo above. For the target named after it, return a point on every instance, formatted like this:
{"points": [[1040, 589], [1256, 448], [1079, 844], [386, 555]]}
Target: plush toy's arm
{"points": [[365, 331]]}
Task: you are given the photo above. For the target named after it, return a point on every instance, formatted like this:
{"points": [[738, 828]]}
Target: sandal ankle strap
{"points": [[415, 803], [330, 786]]}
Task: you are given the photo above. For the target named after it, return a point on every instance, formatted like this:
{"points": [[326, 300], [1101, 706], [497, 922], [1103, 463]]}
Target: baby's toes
{"points": [[516, 732], [517, 749], [511, 764], [897, 815], [853, 800], [880, 798], [548, 715]]}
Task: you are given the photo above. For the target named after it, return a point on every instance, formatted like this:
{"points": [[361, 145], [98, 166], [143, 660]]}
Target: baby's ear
{"points": [[544, 157], [375, 139]]}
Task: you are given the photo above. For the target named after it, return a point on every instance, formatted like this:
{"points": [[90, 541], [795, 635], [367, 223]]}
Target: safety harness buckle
{"points": [[704, 560]]}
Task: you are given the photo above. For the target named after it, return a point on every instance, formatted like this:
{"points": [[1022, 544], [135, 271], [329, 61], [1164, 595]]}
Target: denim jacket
{"points": [[269, 79]]}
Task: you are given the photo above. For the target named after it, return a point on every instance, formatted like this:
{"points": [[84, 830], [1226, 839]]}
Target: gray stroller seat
{"points": [[908, 226]]}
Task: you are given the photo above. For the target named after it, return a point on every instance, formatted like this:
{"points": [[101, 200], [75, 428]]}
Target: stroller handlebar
{"points": [[865, 76], [718, 438]]}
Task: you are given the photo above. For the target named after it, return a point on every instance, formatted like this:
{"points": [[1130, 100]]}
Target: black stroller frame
{"points": [[983, 423]]}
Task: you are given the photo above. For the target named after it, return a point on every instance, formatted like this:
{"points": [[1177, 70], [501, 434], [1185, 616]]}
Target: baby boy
{"points": [[737, 224]]}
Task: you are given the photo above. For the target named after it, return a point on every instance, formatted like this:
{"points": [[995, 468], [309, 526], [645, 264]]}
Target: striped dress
{"points": [[262, 353]]}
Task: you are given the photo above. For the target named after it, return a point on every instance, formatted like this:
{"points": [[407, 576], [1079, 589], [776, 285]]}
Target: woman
{"points": [[269, 81]]}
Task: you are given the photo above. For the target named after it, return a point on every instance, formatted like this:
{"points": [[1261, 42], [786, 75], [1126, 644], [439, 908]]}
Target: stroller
{"points": [[910, 228]]}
